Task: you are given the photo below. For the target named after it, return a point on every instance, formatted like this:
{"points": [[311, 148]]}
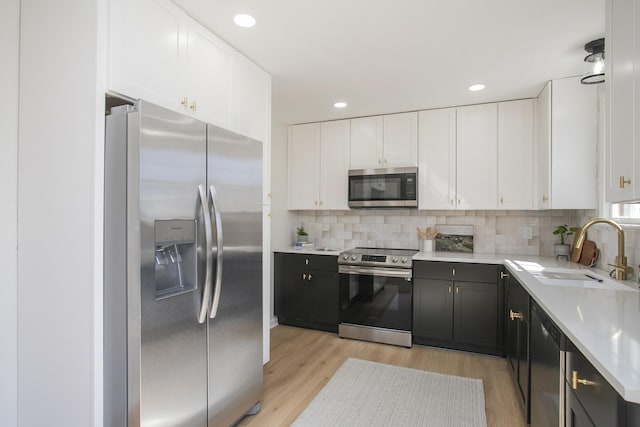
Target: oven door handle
{"points": [[375, 271]]}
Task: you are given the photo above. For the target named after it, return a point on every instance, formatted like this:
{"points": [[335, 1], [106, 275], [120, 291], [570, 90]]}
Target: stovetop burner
{"points": [[383, 257]]}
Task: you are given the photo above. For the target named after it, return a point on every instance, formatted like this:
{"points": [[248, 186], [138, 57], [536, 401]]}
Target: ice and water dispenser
{"points": [[175, 257]]}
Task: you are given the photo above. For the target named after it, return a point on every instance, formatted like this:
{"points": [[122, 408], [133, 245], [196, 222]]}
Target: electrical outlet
{"points": [[527, 232]]}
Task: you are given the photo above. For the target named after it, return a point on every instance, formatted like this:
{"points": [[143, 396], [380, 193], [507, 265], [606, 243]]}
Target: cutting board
{"points": [[589, 254]]}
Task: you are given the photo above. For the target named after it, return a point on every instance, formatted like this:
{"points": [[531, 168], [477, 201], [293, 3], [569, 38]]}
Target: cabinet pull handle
{"points": [[310, 277], [501, 200], [184, 102], [379, 161], [449, 288], [504, 275], [515, 315], [453, 271], [304, 276], [457, 289], [575, 380], [544, 199], [306, 261], [624, 181]]}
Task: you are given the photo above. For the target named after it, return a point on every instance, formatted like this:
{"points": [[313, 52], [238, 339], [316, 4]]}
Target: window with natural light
{"points": [[626, 212]]}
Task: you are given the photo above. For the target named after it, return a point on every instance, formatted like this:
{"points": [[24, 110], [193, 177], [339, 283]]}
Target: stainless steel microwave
{"points": [[383, 188]]}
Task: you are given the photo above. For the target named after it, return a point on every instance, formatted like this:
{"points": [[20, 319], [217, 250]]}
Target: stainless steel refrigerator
{"points": [[182, 271]]}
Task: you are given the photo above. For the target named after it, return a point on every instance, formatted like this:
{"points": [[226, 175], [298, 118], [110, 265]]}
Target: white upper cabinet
{"points": [[146, 51], [542, 199], [400, 141], [160, 54], [515, 154], [304, 166], [573, 145], [366, 143], [622, 169], [334, 165], [384, 141], [254, 100], [476, 152], [210, 77], [437, 159], [318, 165]]}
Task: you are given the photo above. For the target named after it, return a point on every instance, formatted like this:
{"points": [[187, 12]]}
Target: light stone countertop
{"points": [[604, 324]]}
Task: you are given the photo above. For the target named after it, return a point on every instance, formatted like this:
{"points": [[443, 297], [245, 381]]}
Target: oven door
{"points": [[376, 297]]}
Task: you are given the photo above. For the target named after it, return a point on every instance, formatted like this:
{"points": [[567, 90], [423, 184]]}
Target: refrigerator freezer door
{"points": [[172, 345], [235, 334]]}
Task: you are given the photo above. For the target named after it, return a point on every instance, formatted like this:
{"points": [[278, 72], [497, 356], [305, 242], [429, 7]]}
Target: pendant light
{"points": [[595, 61]]}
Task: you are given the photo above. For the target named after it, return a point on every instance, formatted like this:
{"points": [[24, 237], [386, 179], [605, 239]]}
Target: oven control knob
{"points": [[394, 259], [353, 257], [404, 260], [345, 256]]}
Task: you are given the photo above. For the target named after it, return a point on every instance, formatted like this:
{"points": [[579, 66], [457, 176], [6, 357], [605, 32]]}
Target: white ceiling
{"points": [[385, 56]]}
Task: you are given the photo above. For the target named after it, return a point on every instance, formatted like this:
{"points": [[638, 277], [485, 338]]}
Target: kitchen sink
{"points": [[579, 279]]}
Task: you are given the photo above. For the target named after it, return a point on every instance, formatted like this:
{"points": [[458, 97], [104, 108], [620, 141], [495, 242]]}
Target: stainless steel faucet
{"points": [[620, 263]]}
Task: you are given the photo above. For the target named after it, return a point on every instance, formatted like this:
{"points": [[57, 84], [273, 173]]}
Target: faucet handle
{"points": [[621, 271]]}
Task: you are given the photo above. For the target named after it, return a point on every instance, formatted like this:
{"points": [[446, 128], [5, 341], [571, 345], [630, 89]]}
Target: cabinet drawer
{"points": [[308, 261], [597, 397], [456, 271]]}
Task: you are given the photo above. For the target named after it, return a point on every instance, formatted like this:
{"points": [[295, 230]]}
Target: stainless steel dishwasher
{"points": [[547, 370]]}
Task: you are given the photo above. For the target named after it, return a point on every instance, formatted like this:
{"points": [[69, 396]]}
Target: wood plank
{"points": [[303, 361]]}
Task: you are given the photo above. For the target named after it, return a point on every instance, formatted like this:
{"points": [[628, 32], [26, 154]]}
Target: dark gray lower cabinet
{"points": [[458, 305], [306, 290], [517, 342]]}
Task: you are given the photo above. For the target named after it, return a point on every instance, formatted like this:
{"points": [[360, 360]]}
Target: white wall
{"points": [[9, 49], [59, 218], [283, 222]]}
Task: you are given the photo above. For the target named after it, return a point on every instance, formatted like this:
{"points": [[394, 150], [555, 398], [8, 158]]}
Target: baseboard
{"points": [[274, 322]]}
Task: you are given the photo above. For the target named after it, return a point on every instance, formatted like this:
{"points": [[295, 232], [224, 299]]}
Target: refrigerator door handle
{"points": [[216, 293], [206, 294]]}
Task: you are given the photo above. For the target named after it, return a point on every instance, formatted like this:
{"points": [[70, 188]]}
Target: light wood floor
{"points": [[303, 360]]}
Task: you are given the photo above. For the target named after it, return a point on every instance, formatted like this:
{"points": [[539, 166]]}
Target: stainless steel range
{"points": [[376, 295]]}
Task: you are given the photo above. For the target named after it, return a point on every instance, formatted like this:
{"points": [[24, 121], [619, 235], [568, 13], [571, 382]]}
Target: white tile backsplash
{"points": [[495, 231]]}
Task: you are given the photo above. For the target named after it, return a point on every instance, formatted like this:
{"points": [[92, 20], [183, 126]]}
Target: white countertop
{"points": [[604, 324]]}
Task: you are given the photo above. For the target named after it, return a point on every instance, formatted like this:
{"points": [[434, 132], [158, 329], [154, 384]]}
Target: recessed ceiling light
{"points": [[476, 87], [340, 104], [244, 20]]}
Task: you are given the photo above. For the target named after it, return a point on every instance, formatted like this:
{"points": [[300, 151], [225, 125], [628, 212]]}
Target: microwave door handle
{"points": [[206, 293], [218, 285]]}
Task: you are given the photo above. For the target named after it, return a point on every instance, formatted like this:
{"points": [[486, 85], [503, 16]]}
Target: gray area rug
{"points": [[363, 393]]}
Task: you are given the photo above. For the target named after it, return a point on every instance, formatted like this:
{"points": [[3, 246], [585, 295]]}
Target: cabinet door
{"points": [[291, 298], [400, 140], [576, 416], [366, 143], [515, 154], [543, 149], [334, 165], [437, 159], [145, 48], [573, 144], [620, 81], [476, 157], [476, 313], [323, 311], [211, 78], [254, 100], [304, 166], [433, 309]]}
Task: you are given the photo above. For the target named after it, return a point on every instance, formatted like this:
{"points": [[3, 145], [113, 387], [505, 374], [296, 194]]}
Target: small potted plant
{"points": [[303, 236], [562, 249]]}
